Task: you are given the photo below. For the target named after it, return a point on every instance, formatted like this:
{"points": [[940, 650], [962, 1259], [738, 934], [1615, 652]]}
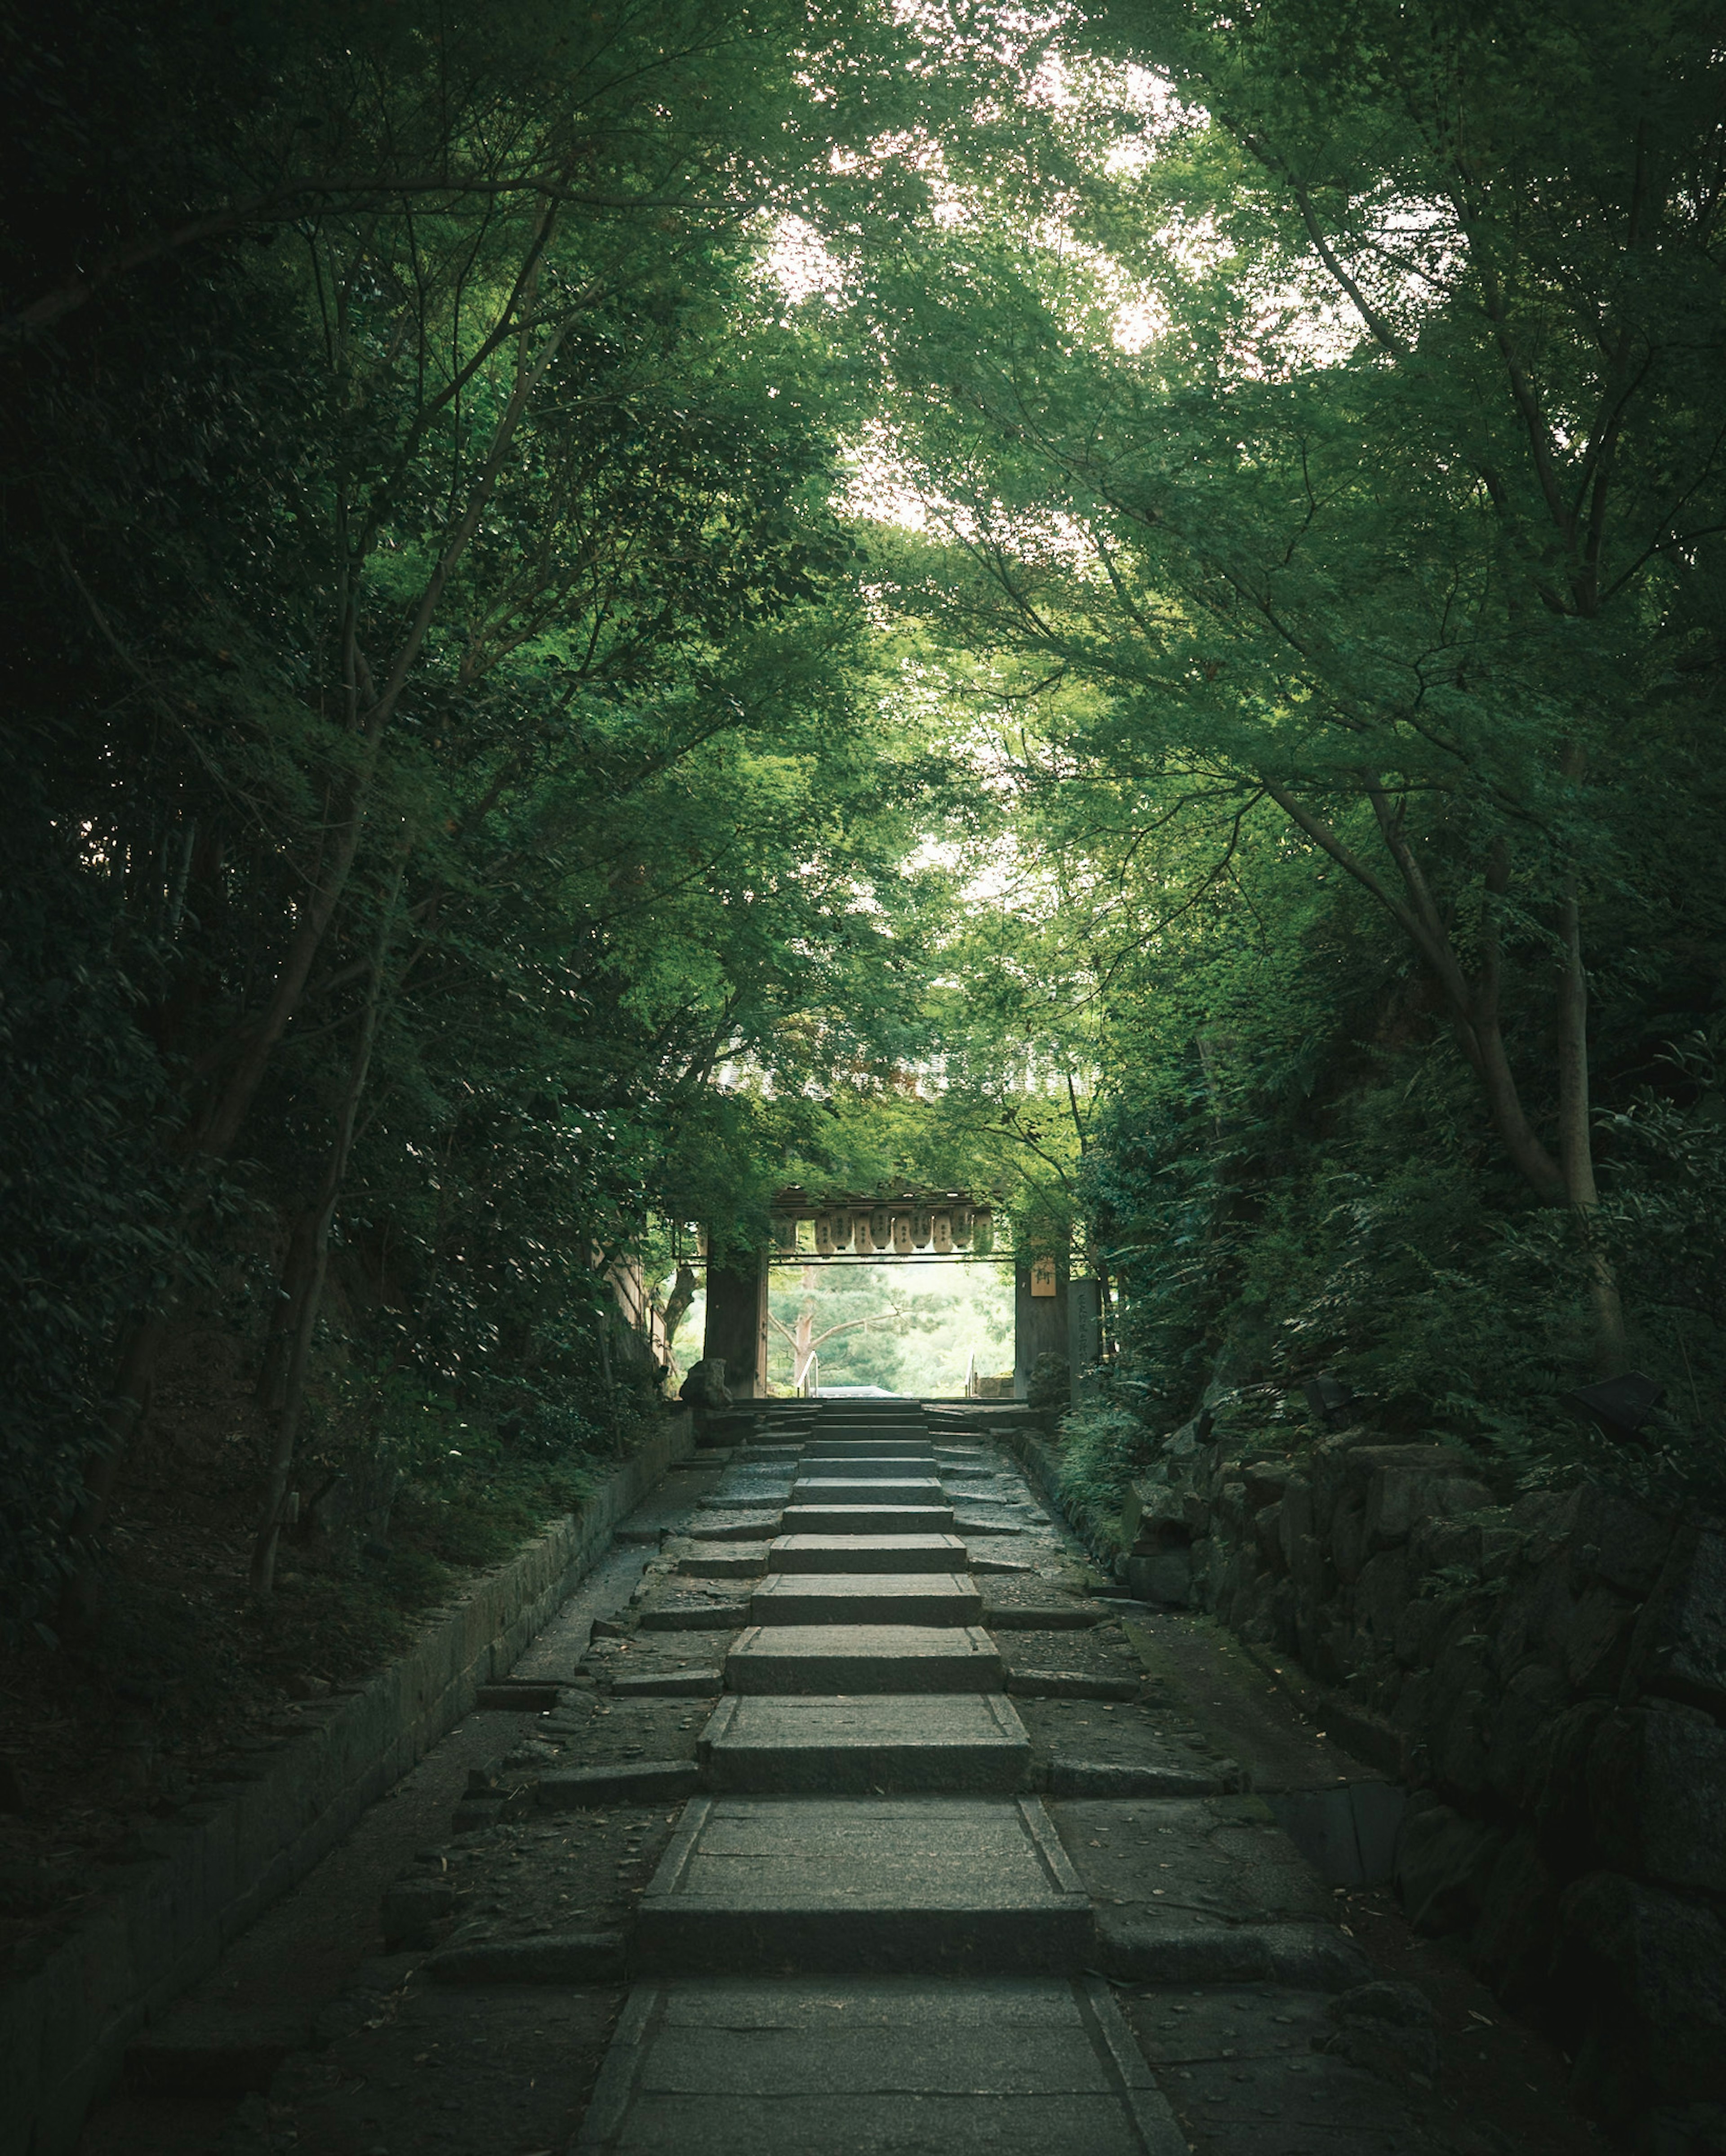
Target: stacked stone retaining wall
{"points": [[1547, 1676], [68, 2011]]}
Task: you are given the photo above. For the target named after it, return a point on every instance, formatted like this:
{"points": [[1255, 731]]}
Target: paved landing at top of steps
{"points": [[869, 1883], [886, 2066]]}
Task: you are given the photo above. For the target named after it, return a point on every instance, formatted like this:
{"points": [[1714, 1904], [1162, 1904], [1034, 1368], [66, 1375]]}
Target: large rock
{"points": [[1587, 1635], [1294, 1521], [1164, 1576], [1512, 1947], [1657, 1796], [1558, 1787], [1615, 1540], [1425, 1620], [1645, 1972], [1533, 1697], [1348, 1540], [1155, 1517], [1388, 2027], [1228, 1507], [1381, 1594], [1443, 1866], [1330, 1470], [1409, 1483], [1459, 1745], [1593, 1638], [1268, 1533], [1439, 1543], [1680, 1644], [705, 1387], [1265, 1481]]}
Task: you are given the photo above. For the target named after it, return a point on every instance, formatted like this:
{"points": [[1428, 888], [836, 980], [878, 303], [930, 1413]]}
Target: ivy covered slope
{"points": [[1323, 529]]}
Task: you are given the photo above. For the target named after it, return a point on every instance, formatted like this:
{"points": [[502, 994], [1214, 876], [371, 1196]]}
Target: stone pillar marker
{"points": [[1040, 1311], [1084, 1326], [737, 1322]]}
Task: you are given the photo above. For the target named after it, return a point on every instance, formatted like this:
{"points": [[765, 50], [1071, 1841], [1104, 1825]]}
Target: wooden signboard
{"points": [[1042, 1276]]}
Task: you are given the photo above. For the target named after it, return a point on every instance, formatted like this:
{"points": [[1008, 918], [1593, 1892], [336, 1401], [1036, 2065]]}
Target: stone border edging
{"points": [[64, 2026]]}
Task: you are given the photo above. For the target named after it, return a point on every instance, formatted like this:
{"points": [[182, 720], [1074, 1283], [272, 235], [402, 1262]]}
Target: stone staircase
{"points": [[864, 1908]]}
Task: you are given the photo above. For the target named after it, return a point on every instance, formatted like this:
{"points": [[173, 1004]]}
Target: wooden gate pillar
{"points": [[1039, 1316], [737, 1322]]}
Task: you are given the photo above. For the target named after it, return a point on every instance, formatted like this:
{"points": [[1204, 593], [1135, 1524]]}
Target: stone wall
{"points": [[66, 2014], [1548, 1676]]}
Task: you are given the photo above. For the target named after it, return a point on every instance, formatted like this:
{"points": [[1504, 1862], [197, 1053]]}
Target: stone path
{"points": [[872, 1826], [868, 1833]]}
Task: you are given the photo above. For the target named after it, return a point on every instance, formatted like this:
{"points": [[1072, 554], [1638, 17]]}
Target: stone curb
{"points": [[573, 1957], [65, 2023], [653, 1782], [1304, 1957]]}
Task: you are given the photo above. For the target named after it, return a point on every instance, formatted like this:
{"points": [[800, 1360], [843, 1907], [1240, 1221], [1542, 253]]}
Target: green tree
{"points": [[1405, 518]]}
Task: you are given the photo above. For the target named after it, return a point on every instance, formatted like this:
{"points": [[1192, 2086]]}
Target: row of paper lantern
{"points": [[883, 1229]]}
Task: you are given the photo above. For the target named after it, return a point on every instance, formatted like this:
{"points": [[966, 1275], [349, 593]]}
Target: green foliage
{"points": [[1102, 1448], [88, 1204], [908, 1327], [429, 625], [480, 795]]}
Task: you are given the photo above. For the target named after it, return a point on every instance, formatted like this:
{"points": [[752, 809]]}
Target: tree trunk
{"points": [[683, 1293], [294, 1278], [1576, 1141], [313, 1248], [1473, 1005], [213, 1133]]}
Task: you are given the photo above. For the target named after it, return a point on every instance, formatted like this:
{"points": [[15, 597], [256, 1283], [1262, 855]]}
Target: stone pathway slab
{"points": [[896, 2066], [754, 1884], [966, 1744], [865, 1597], [839, 1659], [917, 1457], [864, 1553], [868, 1520], [862, 1490]]}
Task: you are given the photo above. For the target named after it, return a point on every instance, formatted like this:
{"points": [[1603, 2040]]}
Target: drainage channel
{"points": [[840, 1813]]}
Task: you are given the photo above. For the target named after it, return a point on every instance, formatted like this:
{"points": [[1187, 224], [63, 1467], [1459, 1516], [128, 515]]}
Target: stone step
{"points": [[738, 1560], [865, 1598], [887, 1553], [833, 1659], [854, 1489], [894, 1410], [1008, 2065], [870, 1466], [880, 1434], [871, 1433], [967, 1744], [930, 1883], [867, 1519], [819, 1460], [856, 1445]]}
